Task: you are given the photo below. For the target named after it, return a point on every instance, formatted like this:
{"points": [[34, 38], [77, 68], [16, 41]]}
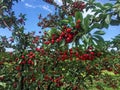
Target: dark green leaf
{"points": [[98, 37], [115, 22], [78, 15], [71, 21], [86, 22], [102, 16], [70, 18], [96, 25], [95, 40], [97, 11], [119, 13], [99, 5], [105, 25], [100, 32], [108, 5]]}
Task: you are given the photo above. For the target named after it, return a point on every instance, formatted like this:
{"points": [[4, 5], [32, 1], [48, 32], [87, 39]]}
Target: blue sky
{"points": [[32, 9]]}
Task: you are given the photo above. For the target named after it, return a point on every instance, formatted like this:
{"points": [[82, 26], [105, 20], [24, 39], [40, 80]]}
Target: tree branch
{"points": [[6, 24]]}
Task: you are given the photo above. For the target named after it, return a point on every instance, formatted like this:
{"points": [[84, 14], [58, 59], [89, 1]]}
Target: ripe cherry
{"points": [[68, 30]]}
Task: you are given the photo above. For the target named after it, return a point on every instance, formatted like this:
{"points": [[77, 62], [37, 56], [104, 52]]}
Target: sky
{"points": [[32, 9]]}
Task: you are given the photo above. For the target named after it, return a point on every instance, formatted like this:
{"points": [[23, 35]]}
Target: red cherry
{"points": [[70, 35], [78, 21], [18, 68], [52, 41], [22, 56], [92, 53], [47, 42], [77, 26], [68, 40], [46, 78], [37, 49], [14, 84], [1, 78], [33, 79], [30, 62], [57, 40], [83, 5], [62, 34], [23, 62], [68, 30], [43, 71]]}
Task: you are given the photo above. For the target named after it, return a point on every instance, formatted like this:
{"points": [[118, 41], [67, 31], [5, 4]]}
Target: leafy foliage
{"points": [[65, 57]]}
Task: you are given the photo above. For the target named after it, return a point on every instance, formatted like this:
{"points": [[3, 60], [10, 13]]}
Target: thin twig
{"points": [[6, 25]]}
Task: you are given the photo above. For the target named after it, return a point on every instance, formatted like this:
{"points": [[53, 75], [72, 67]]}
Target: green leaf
{"points": [[115, 22], [99, 5], [97, 11], [85, 23], [105, 25], [95, 40], [85, 40], [3, 7], [116, 5], [1, 1], [108, 5], [100, 32], [102, 16], [3, 84], [62, 43], [52, 31], [91, 1], [70, 18], [107, 72], [95, 25], [0, 16], [119, 13], [71, 21], [108, 19], [65, 21], [78, 15], [98, 37]]}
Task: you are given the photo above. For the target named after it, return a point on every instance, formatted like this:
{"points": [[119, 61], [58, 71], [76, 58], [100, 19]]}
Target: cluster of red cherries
{"points": [[89, 54], [67, 34]]}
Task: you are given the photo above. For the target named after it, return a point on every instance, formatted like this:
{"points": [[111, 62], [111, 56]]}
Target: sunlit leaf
{"points": [[99, 32], [3, 84], [108, 19]]}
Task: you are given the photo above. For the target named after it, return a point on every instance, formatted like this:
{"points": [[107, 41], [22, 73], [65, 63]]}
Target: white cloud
{"points": [[29, 5], [46, 7], [59, 2]]}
